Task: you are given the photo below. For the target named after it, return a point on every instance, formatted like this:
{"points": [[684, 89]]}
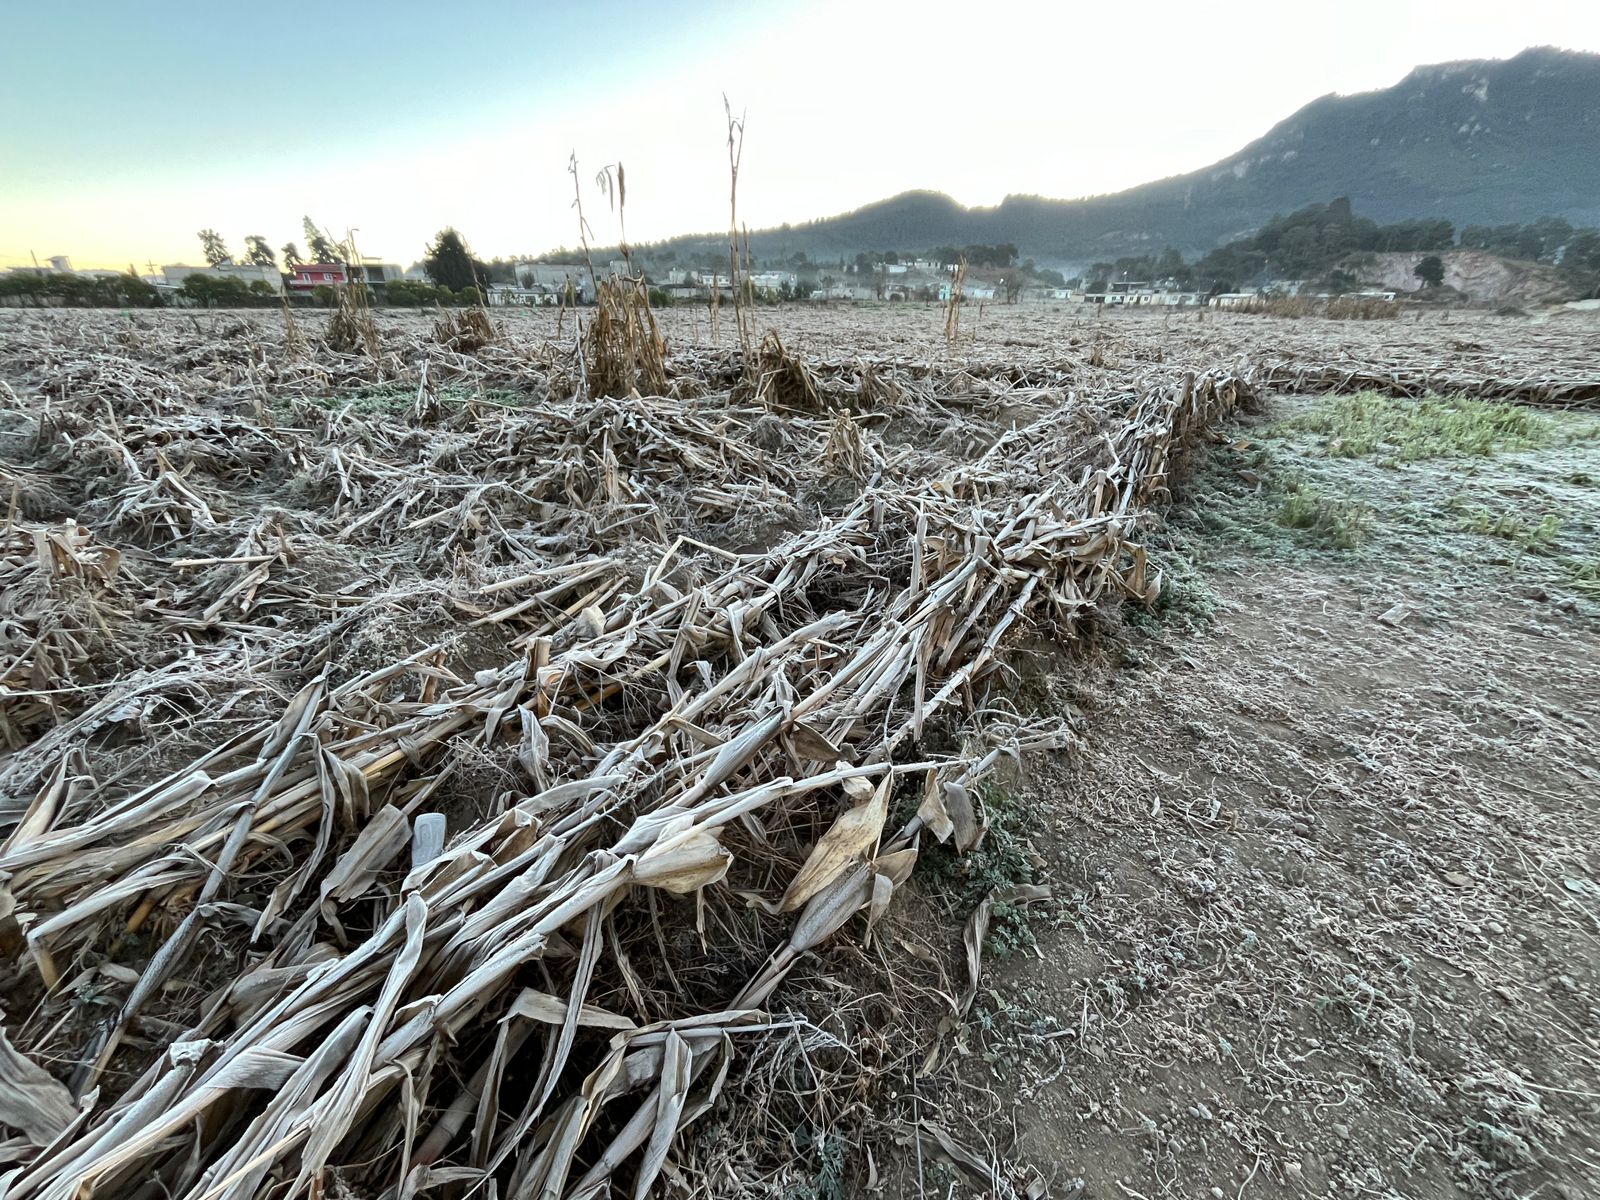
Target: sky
{"points": [[127, 127]]}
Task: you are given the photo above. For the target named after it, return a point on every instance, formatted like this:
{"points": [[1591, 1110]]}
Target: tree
{"points": [[1011, 279], [1551, 234], [291, 255], [322, 250], [258, 252], [450, 263], [214, 248], [1582, 251], [1430, 270]]}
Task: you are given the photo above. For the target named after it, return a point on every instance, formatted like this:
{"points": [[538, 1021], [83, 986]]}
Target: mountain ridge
{"points": [[1477, 141]]}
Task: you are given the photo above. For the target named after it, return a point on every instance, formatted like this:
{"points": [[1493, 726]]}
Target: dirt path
{"points": [[1327, 890]]}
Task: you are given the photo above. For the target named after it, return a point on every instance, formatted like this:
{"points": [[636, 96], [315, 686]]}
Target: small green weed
{"points": [[1186, 597], [1336, 524], [375, 401], [1511, 527], [1583, 574], [1411, 430], [829, 1181], [1185, 601], [1002, 860]]}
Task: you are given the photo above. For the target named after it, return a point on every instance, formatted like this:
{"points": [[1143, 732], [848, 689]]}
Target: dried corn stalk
{"points": [[623, 350], [783, 379], [467, 331], [667, 739]]}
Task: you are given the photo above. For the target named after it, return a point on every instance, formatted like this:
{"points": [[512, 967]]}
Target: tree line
{"points": [[80, 291], [448, 260], [1321, 242], [1326, 242]]}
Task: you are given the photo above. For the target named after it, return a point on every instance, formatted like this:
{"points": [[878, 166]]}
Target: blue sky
{"points": [[128, 126], [130, 85]]}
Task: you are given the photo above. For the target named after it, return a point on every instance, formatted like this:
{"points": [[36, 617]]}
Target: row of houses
{"points": [[552, 283], [1246, 299], [302, 278], [1136, 294], [539, 284]]}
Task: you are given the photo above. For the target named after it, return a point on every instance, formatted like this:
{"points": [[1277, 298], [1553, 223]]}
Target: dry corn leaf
{"points": [[853, 832], [31, 1099], [552, 1010], [671, 1095], [683, 863]]}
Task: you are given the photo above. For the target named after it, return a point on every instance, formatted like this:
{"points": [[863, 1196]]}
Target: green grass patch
{"points": [[1529, 537], [1186, 599], [1411, 430], [1583, 574], [1324, 521]]}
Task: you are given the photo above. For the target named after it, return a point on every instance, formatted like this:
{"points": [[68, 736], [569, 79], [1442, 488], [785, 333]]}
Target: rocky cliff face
{"points": [[1475, 273]]}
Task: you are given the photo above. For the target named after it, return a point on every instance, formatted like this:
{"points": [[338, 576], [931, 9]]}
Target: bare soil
{"points": [[1326, 889]]}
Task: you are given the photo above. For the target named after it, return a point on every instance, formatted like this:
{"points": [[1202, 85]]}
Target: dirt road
{"points": [[1327, 895]]}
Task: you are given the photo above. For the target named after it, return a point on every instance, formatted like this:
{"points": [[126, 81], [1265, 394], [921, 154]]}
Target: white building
{"points": [[844, 291], [509, 295], [371, 270], [773, 281], [558, 278], [970, 291]]}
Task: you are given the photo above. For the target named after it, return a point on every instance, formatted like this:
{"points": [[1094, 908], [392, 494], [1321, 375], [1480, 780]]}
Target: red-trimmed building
{"points": [[303, 277]]}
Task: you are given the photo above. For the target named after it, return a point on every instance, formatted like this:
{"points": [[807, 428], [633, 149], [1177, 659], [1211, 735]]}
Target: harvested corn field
{"points": [[486, 758]]}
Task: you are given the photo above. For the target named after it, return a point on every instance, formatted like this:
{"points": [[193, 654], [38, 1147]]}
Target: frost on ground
{"points": [[1327, 888], [429, 766]]}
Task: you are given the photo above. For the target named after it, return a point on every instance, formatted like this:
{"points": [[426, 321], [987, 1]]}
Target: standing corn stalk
{"points": [[735, 154], [952, 306]]}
